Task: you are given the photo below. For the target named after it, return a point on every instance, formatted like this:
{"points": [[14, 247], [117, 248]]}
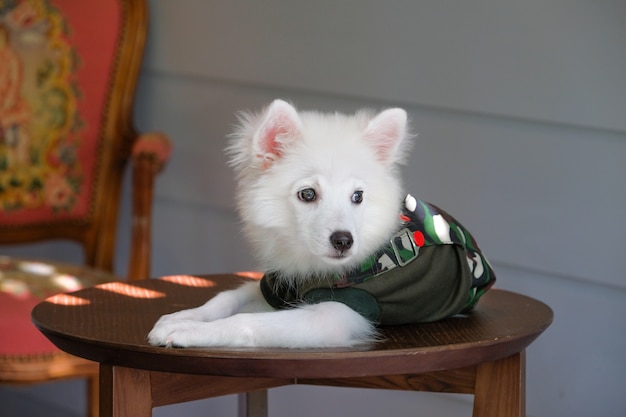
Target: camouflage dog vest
{"points": [[431, 268]]}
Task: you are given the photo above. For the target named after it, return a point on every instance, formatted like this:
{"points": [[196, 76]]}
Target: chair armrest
{"points": [[155, 146], [149, 155]]}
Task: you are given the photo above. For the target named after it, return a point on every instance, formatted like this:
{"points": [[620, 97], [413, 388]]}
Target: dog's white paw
{"points": [[165, 329], [174, 333], [170, 332]]}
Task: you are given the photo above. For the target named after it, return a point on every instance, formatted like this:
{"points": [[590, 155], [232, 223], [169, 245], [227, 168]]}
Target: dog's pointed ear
{"points": [[386, 132], [280, 125]]}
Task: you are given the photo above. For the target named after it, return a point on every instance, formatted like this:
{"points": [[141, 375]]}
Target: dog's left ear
{"points": [[386, 132]]}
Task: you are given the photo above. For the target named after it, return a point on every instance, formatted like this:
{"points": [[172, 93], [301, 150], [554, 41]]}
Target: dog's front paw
{"points": [[170, 332], [231, 332]]}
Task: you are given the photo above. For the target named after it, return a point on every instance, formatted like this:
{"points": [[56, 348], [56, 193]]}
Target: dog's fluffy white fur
{"points": [[317, 194]]}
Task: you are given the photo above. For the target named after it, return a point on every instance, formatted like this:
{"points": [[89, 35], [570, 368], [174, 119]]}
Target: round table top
{"points": [[109, 323]]}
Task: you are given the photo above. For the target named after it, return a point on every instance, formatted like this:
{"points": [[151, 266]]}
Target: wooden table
{"points": [[481, 354]]}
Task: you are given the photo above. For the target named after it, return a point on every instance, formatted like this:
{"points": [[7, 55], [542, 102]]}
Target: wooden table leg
{"points": [[93, 396], [125, 392], [501, 388], [253, 404]]}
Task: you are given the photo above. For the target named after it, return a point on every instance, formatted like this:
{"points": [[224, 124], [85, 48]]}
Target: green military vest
{"points": [[430, 269]]}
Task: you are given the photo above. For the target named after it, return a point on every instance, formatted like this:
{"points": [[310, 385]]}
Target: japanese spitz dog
{"points": [[343, 248]]}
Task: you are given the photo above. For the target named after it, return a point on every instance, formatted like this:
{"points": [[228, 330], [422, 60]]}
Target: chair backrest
{"points": [[68, 71]]}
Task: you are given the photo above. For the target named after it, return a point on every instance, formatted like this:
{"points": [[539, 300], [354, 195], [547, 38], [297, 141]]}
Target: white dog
{"points": [[343, 249]]}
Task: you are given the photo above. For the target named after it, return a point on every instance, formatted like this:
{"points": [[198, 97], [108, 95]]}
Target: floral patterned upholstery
{"points": [[52, 94]]}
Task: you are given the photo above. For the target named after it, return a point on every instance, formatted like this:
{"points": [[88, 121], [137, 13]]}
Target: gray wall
{"points": [[520, 109]]}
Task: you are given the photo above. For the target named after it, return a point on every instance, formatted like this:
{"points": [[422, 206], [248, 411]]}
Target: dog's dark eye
{"points": [[357, 197], [307, 195]]}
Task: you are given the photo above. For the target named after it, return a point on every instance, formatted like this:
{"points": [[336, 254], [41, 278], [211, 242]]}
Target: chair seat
{"points": [[23, 284]]}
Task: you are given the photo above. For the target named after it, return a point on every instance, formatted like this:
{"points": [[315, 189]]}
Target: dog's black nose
{"points": [[341, 240]]}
